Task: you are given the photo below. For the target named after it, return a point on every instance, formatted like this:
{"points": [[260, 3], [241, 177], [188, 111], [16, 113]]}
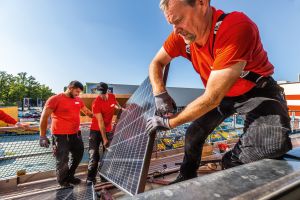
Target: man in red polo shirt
{"points": [[101, 128], [226, 51], [64, 110], [9, 120]]}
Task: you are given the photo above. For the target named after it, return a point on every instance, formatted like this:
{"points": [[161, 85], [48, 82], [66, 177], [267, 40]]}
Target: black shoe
{"points": [[65, 185], [103, 180], [179, 178], [74, 181], [89, 181]]}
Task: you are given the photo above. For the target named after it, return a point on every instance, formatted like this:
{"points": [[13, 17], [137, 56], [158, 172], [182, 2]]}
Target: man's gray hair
{"points": [[165, 3]]}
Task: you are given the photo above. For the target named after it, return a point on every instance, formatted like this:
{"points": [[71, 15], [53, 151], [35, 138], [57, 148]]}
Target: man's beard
{"points": [[71, 95], [188, 37]]}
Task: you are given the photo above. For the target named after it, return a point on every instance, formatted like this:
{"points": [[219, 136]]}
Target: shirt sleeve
{"points": [[52, 103], [234, 45], [6, 118], [175, 46], [96, 106]]}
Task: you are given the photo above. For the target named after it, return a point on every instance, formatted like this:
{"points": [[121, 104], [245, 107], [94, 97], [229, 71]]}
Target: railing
{"points": [[21, 153]]}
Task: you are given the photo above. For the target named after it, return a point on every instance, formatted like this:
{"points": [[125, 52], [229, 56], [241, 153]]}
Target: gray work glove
{"points": [[164, 104], [157, 123], [44, 141]]}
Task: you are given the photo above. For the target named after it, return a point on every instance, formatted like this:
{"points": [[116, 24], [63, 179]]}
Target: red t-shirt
{"points": [[237, 40], [6, 118], [66, 113], [107, 109]]}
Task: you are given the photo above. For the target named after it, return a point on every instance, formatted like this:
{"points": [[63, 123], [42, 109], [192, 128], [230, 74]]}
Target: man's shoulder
{"points": [[111, 95], [235, 18], [236, 24], [98, 98], [55, 97], [97, 101]]}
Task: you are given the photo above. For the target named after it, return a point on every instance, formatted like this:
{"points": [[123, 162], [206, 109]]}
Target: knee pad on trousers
{"points": [[228, 161]]}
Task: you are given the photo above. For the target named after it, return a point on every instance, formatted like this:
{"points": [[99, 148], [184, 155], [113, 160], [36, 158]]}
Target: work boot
{"points": [[74, 181], [103, 180], [65, 185], [89, 181], [179, 178]]}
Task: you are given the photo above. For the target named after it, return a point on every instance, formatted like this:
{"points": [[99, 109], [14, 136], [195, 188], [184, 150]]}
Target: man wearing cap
{"points": [[225, 49], [101, 128], [65, 110]]}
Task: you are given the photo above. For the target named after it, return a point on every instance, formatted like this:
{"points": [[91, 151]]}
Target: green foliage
{"points": [[14, 88]]}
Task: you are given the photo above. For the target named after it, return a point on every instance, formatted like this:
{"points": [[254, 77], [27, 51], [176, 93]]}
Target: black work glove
{"points": [[44, 141], [157, 123], [164, 104]]}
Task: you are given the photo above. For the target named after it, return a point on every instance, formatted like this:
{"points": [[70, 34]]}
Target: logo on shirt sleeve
{"points": [[76, 102]]}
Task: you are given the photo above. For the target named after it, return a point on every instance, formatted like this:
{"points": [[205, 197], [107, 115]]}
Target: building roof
{"points": [[182, 96]]}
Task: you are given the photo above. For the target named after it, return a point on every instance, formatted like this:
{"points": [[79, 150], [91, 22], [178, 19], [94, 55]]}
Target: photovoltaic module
{"points": [[126, 163]]}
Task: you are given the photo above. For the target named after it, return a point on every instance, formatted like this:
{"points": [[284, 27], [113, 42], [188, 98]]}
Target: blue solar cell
{"points": [[79, 192], [126, 163]]}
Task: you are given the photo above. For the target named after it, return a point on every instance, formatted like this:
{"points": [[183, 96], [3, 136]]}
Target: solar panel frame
{"points": [[138, 112], [125, 117], [134, 100]]}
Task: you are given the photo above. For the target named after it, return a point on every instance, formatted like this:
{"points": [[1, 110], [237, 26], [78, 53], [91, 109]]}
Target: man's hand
{"points": [[87, 112], [23, 126], [105, 143], [164, 103], [44, 141], [157, 123]]}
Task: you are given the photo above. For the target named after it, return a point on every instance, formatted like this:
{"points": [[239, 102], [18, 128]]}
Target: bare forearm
{"points": [[102, 129], [194, 110], [87, 112], [103, 132], [156, 77], [43, 126]]}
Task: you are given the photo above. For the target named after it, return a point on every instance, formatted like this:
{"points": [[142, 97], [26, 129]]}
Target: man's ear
{"points": [[199, 2], [203, 2]]}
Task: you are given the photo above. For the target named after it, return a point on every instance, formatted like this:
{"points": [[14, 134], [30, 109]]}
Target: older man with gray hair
{"points": [[225, 49]]}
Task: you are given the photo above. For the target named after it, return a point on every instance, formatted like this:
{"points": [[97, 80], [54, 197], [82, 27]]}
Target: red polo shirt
{"points": [[237, 40], [66, 113], [6, 118], [107, 109]]}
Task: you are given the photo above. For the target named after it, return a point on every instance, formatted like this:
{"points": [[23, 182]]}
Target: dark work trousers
{"points": [[63, 145], [265, 133], [95, 140]]}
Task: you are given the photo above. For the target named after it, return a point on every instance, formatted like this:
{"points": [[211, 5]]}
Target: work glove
{"points": [[105, 143], [164, 104], [44, 141], [157, 123]]}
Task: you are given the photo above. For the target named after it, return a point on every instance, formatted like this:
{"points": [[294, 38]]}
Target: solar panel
{"points": [[126, 163], [79, 192]]}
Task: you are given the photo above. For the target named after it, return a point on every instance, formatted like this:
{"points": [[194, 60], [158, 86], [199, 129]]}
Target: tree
{"points": [[6, 80], [13, 89]]}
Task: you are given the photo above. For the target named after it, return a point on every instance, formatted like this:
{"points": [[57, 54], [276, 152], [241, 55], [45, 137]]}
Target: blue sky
{"points": [[113, 41]]}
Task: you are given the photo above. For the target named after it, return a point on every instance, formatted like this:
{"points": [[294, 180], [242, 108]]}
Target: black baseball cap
{"points": [[102, 87], [76, 84]]}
